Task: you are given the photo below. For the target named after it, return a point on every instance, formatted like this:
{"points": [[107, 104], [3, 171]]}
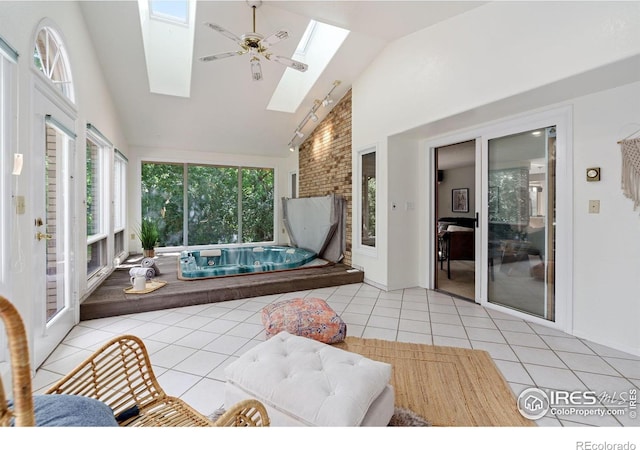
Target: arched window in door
{"points": [[50, 58]]}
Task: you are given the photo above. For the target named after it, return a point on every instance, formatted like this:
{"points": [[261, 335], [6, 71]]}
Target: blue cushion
{"points": [[61, 410]]}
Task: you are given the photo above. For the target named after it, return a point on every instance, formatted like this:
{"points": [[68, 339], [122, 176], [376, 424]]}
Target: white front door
{"points": [[53, 280]]}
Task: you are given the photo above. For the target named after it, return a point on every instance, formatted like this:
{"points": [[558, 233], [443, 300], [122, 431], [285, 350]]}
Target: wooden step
{"points": [[109, 299]]}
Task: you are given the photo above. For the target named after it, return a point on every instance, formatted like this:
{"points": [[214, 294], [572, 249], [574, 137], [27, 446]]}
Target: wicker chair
{"points": [[118, 374]]}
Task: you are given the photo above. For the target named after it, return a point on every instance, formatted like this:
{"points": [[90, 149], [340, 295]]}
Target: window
{"points": [[317, 47], [96, 203], [168, 30], [213, 205], [57, 189], [293, 184], [368, 198], [205, 204], [257, 205], [172, 11], [119, 202], [50, 58], [163, 201]]}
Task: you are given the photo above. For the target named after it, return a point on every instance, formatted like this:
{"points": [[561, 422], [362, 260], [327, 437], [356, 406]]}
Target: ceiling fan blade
{"points": [[225, 32], [297, 65], [275, 38], [221, 56]]}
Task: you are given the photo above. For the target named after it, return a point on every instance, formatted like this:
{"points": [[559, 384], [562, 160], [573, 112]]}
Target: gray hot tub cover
{"points": [[317, 224]]}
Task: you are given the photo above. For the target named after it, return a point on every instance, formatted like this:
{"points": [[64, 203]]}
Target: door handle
{"points": [[477, 220], [40, 236]]}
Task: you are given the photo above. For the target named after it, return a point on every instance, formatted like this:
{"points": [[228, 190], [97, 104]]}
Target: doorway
{"points": [[53, 276], [455, 216], [522, 264]]}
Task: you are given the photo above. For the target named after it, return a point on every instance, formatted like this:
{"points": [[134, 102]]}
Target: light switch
{"points": [[594, 206]]}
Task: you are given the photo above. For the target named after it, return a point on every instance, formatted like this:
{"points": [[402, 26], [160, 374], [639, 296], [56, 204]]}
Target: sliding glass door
{"points": [[521, 221]]}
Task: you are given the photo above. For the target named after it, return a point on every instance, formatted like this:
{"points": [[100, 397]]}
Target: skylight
{"points": [[168, 29], [174, 11], [318, 46], [301, 49]]}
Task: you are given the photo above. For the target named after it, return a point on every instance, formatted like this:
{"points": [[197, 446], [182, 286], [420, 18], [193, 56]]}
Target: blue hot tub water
{"points": [[238, 260]]}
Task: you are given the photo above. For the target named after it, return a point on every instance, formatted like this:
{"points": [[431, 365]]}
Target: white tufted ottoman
{"points": [[303, 382]]}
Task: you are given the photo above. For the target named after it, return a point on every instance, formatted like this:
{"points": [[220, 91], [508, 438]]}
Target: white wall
{"points": [[455, 178], [489, 53], [463, 68], [402, 221], [606, 245]]}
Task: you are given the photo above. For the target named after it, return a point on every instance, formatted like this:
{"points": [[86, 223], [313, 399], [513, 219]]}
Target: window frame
{"points": [[119, 201], [240, 168], [358, 246], [67, 92], [294, 185], [104, 232]]}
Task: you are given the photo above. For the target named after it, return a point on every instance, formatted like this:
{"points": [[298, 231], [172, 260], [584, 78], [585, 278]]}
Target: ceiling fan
{"points": [[256, 46]]}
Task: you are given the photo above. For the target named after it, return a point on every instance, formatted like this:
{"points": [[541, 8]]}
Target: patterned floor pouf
{"points": [[309, 317]]}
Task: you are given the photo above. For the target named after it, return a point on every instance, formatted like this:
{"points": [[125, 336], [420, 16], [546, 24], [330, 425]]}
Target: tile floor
{"points": [[189, 347]]}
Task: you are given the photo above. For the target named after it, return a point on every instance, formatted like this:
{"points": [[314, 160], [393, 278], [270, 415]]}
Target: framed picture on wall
{"points": [[460, 200]]}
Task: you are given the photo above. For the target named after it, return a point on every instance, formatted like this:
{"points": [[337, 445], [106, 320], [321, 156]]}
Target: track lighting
{"points": [[311, 115]]}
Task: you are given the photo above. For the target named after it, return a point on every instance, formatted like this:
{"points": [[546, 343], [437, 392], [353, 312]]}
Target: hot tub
{"points": [[241, 260]]}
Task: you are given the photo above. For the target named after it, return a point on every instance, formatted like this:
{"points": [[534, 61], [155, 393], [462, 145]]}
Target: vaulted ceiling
{"points": [[226, 111]]}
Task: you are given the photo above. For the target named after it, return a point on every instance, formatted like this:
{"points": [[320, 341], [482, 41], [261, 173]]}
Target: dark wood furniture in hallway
{"points": [[460, 247]]}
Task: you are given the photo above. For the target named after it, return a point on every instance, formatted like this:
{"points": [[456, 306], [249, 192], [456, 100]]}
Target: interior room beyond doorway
{"points": [[455, 216]]}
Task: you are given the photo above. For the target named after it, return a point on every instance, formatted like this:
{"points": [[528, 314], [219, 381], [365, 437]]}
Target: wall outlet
{"points": [[594, 206]]}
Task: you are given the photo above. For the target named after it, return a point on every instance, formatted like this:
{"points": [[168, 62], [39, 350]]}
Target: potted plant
{"points": [[148, 235]]}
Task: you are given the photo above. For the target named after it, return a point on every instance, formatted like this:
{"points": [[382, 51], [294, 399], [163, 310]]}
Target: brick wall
{"points": [[325, 161]]}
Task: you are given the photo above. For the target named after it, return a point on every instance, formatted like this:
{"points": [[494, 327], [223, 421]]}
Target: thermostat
{"points": [[593, 174]]}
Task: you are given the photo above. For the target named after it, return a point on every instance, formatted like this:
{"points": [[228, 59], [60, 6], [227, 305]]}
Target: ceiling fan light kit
{"points": [[256, 69], [256, 45]]}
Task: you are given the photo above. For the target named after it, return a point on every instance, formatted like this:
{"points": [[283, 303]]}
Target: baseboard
{"points": [[606, 343], [374, 284]]}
